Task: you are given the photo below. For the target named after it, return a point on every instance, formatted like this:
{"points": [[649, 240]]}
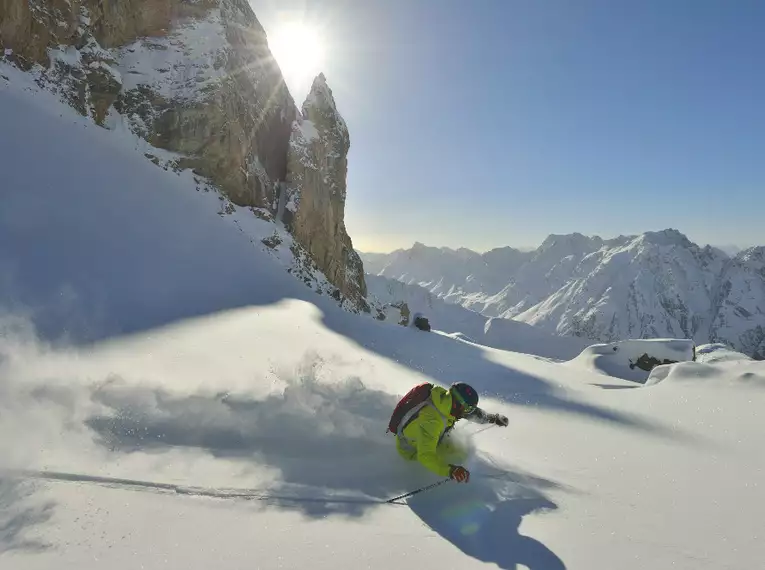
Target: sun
{"points": [[299, 50]]}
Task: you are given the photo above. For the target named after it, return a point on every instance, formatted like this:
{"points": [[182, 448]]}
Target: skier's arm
{"points": [[480, 416], [427, 442]]}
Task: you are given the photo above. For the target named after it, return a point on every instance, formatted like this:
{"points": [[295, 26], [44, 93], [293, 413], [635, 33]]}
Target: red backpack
{"points": [[415, 396]]}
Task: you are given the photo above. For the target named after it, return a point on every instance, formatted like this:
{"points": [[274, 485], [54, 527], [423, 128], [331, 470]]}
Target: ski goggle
{"points": [[464, 406]]}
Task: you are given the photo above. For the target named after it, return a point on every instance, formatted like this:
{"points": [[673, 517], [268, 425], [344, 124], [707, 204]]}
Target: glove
{"points": [[459, 473], [498, 419]]}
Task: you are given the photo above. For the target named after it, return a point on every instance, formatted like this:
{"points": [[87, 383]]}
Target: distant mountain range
{"points": [[656, 284]]}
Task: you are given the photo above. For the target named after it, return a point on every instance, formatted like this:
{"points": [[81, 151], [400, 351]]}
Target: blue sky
{"points": [[497, 122]]}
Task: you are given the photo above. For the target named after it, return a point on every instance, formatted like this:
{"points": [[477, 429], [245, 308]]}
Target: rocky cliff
{"points": [[315, 190], [195, 78]]}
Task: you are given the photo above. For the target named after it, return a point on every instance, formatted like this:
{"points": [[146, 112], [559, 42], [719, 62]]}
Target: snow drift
{"points": [[634, 359]]}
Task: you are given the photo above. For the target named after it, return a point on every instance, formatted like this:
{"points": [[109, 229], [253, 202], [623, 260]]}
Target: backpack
{"points": [[414, 397]]}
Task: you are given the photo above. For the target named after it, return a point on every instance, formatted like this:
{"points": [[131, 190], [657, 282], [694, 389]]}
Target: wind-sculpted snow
{"points": [[634, 359], [715, 365], [718, 352]]}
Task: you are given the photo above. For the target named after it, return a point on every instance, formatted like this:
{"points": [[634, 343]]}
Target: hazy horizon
{"points": [[730, 249], [495, 123]]}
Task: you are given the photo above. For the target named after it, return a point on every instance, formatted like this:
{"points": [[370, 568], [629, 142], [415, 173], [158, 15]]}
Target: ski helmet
{"points": [[464, 396]]}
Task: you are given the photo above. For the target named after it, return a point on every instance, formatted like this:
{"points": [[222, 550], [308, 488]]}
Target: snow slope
{"points": [[171, 398], [116, 232], [467, 325]]}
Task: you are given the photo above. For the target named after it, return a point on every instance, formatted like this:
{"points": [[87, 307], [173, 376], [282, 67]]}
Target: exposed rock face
{"points": [[238, 130], [316, 190], [196, 77]]}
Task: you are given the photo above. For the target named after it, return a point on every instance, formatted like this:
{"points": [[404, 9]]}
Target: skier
{"points": [[426, 415]]}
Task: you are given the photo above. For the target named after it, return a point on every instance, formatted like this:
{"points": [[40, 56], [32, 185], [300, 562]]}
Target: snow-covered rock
{"points": [[739, 373], [635, 359], [718, 352]]}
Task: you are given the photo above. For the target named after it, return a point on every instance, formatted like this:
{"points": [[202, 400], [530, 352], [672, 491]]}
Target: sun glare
{"points": [[299, 50]]}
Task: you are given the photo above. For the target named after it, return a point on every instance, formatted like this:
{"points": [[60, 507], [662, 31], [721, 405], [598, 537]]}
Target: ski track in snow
{"points": [[209, 492]]}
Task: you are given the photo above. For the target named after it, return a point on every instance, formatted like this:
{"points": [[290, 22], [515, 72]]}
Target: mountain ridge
{"points": [[658, 283]]}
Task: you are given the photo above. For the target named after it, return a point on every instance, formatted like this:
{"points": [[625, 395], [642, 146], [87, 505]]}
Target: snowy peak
{"points": [[420, 248], [575, 242], [668, 237], [320, 97], [506, 251], [320, 109], [752, 255]]}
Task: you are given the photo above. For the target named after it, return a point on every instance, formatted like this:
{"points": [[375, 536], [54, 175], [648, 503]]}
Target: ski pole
{"points": [[476, 432], [420, 490]]}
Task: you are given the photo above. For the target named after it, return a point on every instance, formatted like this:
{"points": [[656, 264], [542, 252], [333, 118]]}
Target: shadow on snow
{"points": [[325, 436], [328, 442], [20, 512], [483, 521], [446, 361]]}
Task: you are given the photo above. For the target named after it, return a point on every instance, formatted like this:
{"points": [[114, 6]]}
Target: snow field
{"points": [[171, 397]]}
